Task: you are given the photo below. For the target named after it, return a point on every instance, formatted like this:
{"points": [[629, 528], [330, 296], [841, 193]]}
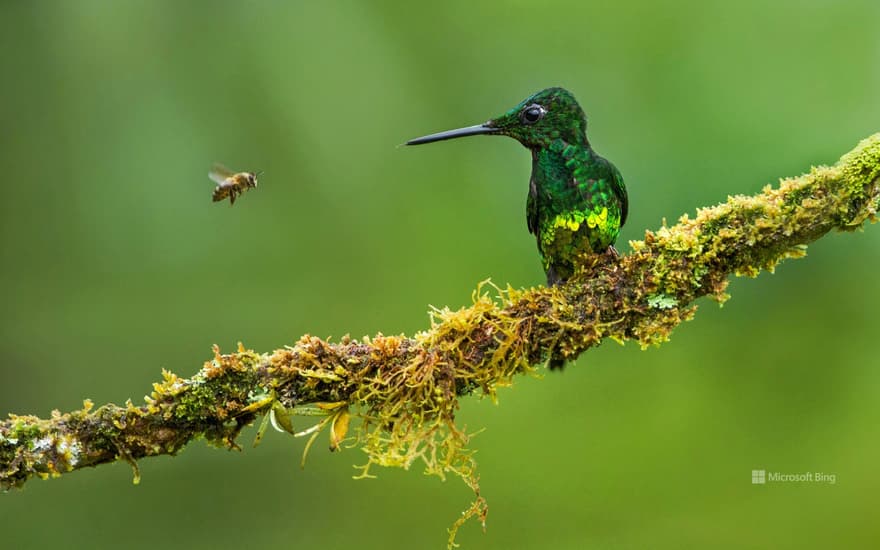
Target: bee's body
{"points": [[229, 184]]}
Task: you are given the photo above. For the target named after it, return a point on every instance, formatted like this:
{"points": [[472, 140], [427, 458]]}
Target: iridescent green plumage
{"points": [[576, 205], [577, 201]]}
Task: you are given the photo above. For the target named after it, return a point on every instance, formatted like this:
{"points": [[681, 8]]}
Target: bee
{"points": [[229, 184]]}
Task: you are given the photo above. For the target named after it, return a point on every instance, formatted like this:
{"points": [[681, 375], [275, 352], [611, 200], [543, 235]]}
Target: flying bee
{"points": [[229, 184]]}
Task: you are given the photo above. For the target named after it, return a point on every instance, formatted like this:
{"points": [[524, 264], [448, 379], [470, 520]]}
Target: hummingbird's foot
{"points": [[612, 252]]}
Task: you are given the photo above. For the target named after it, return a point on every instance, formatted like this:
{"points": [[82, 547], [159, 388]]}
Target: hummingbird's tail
{"points": [[555, 362]]}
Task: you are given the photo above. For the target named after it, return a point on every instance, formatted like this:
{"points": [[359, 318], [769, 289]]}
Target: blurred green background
{"points": [[115, 263]]}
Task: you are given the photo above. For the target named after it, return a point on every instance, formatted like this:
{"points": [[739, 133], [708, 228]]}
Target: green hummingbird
{"points": [[577, 201]]}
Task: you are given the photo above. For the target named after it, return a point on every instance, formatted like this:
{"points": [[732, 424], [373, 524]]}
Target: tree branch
{"points": [[405, 390]]}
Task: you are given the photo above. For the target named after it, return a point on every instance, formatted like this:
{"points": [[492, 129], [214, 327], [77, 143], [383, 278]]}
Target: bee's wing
{"points": [[219, 173]]}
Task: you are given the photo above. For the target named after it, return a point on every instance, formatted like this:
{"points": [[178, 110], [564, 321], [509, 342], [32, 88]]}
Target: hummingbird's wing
{"points": [[532, 208], [612, 176], [219, 173], [619, 189]]}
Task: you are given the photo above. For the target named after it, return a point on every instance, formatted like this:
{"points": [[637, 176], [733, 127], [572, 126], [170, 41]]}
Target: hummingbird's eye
{"points": [[532, 114]]}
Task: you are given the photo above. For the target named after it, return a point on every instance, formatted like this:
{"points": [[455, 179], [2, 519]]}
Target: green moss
{"points": [[796, 197], [25, 429], [862, 164]]}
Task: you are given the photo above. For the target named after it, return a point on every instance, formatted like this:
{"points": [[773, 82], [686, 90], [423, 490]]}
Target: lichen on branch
{"points": [[405, 390]]}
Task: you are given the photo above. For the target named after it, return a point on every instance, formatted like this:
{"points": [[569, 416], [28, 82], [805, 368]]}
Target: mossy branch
{"points": [[405, 390]]}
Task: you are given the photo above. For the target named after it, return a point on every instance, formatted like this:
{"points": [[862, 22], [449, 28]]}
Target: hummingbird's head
{"points": [[542, 118], [538, 120]]}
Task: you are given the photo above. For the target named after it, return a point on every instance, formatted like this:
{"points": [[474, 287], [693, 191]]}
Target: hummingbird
{"points": [[577, 201]]}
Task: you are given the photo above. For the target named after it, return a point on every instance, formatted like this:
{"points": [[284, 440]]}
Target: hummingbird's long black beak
{"points": [[451, 134]]}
